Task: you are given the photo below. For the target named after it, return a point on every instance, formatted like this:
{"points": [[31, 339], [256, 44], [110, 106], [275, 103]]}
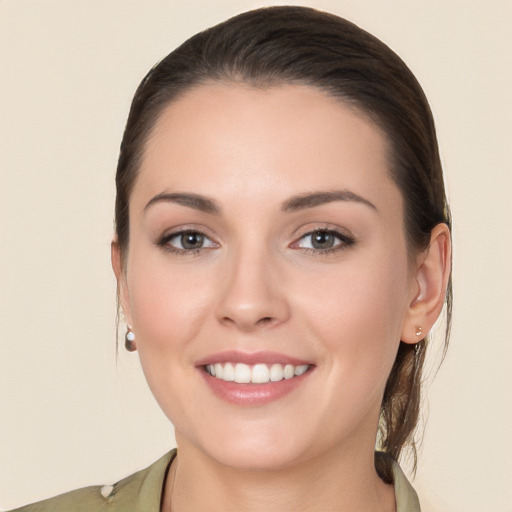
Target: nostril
{"points": [[248, 323]]}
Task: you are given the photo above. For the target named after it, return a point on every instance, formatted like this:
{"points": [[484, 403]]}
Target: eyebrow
{"points": [[295, 203], [195, 201], [310, 200]]}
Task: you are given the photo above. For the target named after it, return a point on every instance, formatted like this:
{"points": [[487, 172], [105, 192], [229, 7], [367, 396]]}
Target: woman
{"points": [[282, 250]]}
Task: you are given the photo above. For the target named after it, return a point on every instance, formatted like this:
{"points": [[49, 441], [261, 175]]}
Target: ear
{"points": [[122, 288], [432, 275]]}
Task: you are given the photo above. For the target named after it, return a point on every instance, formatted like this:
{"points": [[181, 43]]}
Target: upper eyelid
{"points": [[173, 234], [175, 231], [330, 231], [331, 228], [346, 238], [163, 242], [343, 233]]}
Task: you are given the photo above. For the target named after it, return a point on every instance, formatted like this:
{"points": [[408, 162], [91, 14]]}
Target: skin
{"points": [[259, 285]]}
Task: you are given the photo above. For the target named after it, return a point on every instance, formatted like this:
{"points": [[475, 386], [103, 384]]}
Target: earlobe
{"points": [[122, 291], [432, 277]]}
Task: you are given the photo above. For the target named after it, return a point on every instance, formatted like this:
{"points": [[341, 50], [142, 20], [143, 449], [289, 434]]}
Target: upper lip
{"points": [[250, 358]]}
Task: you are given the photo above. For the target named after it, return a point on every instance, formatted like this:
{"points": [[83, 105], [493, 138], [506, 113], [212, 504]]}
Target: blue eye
{"points": [[186, 241], [324, 240]]}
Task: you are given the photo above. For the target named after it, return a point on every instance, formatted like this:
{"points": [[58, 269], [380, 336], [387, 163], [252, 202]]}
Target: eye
{"points": [[186, 241], [324, 240]]}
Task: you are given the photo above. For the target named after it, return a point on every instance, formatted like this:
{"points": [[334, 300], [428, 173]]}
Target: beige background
{"points": [[72, 416]]}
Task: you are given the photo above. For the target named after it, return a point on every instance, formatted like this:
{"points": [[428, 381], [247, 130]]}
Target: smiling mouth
{"points": [[255, 374]]}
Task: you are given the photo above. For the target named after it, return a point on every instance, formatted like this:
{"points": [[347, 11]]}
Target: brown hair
{"points": [[298, 45]]}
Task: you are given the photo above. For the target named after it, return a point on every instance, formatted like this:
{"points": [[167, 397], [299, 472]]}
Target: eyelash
{"points": [[164, 242], [345, 241]]}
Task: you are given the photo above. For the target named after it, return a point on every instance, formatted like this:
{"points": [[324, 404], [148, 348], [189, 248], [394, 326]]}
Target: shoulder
{"points": [[391, 473], [143, 488], [405, 496], [88, 498]]}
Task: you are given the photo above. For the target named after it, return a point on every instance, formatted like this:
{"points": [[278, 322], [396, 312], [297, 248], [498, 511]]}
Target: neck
{"points": [[331, 482]]}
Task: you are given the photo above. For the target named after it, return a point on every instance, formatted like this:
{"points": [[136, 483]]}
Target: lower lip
{"points": [[253, 394]]}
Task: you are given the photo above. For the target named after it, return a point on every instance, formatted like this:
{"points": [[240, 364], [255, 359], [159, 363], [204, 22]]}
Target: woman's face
{"points": [[267, 240]]}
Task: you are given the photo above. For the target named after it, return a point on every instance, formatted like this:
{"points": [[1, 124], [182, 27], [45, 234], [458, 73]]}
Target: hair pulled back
{"points": [[299, 45]]}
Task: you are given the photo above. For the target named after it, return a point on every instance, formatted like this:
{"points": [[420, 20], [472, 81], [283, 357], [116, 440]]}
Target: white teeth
{"points": [[228, 373], [260, 374], [242, 373], [299, 370], [289, 371], [276, 372], [257, 374]]}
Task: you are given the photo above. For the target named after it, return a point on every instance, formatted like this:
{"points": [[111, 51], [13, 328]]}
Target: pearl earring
{"points": [[129, 340], [419, 330]]}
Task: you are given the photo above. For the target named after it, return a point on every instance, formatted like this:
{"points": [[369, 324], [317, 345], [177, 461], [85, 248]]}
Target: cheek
{"points": [[371, 296], [357, 312], [168, 304], [169, 309]]}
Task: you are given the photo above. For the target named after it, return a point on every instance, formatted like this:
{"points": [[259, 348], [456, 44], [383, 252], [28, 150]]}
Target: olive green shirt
{"points": [[142, 492]]}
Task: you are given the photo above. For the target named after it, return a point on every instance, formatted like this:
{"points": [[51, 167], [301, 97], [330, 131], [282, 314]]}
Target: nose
{"points": [[253, 293]]}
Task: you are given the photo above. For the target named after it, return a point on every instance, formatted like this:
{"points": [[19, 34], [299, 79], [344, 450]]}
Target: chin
{"points": [[251, 448], [257, 458]]}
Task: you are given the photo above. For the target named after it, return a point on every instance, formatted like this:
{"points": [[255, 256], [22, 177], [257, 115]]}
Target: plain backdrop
{"points": [[70, 414]]}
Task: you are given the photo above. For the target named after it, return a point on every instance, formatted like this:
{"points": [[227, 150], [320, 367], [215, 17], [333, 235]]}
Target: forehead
{"points": [[222, 136]]}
